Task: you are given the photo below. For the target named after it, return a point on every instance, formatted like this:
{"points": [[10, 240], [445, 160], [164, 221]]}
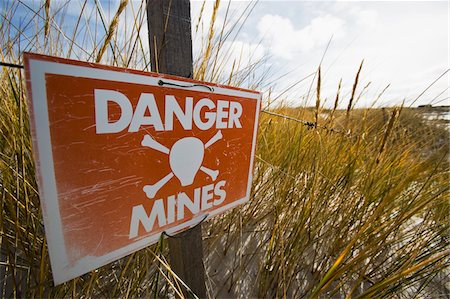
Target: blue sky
{"points": [[404, 44]]}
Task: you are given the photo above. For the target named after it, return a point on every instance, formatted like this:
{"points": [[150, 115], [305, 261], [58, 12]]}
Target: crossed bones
{"points": [[148, 141]]}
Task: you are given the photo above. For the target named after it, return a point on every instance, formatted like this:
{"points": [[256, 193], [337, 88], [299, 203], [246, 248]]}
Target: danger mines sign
{"points": [[124, 155]]}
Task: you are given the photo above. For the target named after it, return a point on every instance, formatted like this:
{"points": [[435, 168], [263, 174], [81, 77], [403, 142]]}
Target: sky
{"points": [[404, 44]]}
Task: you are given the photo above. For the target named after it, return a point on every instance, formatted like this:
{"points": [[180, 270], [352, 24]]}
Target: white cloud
{"points": [[241, 54], [366, 17], [405, 45], [286, 41]]}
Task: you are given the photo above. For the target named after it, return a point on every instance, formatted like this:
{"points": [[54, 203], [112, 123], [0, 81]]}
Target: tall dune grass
{"points": [[358, 212]]}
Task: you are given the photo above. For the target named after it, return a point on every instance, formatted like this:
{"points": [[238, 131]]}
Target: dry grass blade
{"points": [[47, 19], [336, 103], [316, 111], [428, 87], [111, 30], [209, 40], [388, 131], [373, 290], [355, 85]]}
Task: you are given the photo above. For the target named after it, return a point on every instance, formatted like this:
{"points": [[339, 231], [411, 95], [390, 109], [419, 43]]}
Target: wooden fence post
{"points": [[170, 41]]}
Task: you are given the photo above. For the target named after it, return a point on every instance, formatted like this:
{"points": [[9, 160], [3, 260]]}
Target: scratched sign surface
{"points": [[124, 155]]}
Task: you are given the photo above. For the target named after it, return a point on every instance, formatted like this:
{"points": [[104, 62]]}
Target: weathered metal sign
{"points": [[123, 155]]}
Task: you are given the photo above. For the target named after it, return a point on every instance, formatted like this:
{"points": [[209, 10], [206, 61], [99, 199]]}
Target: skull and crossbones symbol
{"points": [[183, 167]]}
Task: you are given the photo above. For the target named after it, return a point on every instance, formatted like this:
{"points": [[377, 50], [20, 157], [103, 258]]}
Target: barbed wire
{"points": [[308, 124]]}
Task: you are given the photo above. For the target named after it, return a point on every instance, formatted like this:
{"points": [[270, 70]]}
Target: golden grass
{"points": [[358, 214], [111, 30]]}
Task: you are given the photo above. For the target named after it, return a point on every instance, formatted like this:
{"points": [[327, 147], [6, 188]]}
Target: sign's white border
{"points": [[61, 269]]}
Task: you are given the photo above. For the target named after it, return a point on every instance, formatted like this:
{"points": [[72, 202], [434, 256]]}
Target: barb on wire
{"points": [[309, 124]]}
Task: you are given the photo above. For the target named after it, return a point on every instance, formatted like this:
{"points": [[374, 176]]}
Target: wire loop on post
{"points": [[180, 235], [13, 65], [161, 83]]}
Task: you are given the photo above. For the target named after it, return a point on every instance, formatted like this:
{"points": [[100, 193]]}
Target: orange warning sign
{"points": [[123, 155]]}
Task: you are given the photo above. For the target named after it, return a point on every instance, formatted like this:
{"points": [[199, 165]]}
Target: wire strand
{"points": [[12, 65], [309, 124]]}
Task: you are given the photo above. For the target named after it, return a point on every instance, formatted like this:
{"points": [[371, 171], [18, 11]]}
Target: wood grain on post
{"points": [[169, 28]]}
